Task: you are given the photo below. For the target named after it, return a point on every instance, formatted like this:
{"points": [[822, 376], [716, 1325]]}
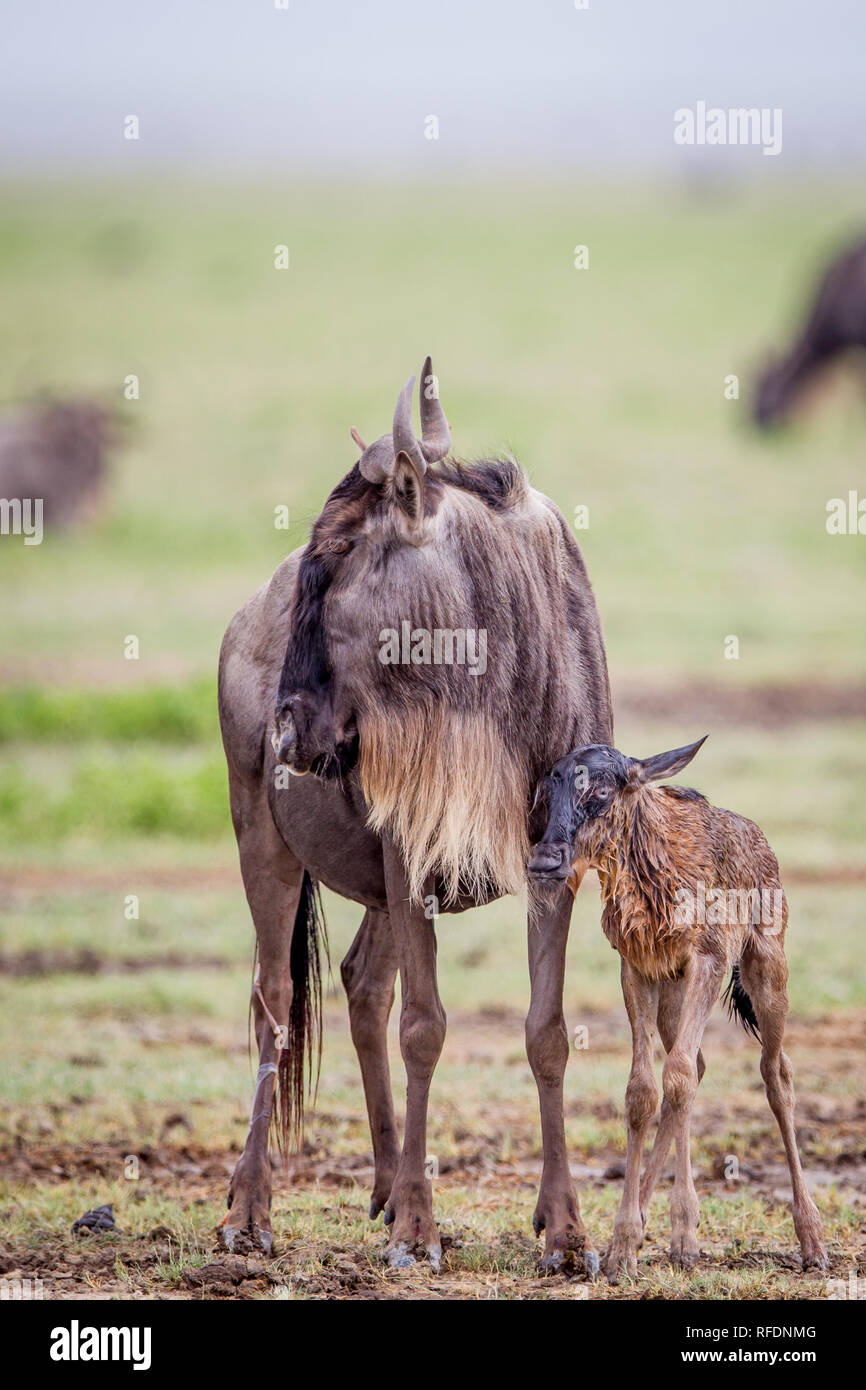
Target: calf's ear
{"points": [[663, 765]]}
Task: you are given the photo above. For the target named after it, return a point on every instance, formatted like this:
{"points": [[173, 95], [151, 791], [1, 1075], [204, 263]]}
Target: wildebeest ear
{"points": [[666, 764], [408, 481]]}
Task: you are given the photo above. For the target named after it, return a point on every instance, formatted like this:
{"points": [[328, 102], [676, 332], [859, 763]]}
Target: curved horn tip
{"points": [[435, 433], [357, 438], [403, 409]]}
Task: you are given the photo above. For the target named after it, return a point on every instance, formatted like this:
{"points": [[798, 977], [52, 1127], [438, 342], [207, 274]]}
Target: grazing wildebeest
{"points": [[56, 452], [690, 892], [360, 663], [836, 322]]}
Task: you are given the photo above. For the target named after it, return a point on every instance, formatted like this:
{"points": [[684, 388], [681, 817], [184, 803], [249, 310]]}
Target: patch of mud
{"points": [[769, 706], [35, 881], [27, 1162], [33, 963]]}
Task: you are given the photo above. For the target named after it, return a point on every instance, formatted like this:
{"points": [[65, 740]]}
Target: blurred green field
{"points": [[608, 385]]}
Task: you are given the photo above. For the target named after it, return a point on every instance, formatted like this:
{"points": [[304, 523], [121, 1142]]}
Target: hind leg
{"points": [[764, 973], [668, 1019], [368, 972], [272, 879]]}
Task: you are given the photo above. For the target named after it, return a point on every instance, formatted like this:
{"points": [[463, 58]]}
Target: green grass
{"points": [[607, 383], [80, 793], [105, 792], [182, 713]]}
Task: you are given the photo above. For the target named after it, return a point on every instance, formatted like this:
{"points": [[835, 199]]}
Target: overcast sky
{"points": [[240, 86]]}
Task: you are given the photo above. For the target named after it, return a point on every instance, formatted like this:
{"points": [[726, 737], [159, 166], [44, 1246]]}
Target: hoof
{"points": [[817, 1260], [378, 1203], [621, 1256], [615, 1266], [398, 1256], [243, 1240], [552, 1263], [684, 1259], [571, 1262]]}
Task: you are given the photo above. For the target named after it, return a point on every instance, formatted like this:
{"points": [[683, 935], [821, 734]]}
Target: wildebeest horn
{"points": [[435, 434], [377, 461], [402, 433]]}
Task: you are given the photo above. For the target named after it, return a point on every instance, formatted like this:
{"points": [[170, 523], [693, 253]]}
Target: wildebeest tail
{"points": [[739, 1004], [301, 1058]]}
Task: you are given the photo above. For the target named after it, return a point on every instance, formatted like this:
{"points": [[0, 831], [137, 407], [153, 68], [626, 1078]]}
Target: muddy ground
{"points": [[166, 1244]]}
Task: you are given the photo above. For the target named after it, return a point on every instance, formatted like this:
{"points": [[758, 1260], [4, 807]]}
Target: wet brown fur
{"points": [[657, 840]]}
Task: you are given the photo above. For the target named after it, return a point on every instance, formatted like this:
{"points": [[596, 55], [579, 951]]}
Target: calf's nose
{"points": [[549, 860]]}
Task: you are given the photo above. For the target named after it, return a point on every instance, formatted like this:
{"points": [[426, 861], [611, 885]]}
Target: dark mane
{"points": [[307, 663], [499, 482]]}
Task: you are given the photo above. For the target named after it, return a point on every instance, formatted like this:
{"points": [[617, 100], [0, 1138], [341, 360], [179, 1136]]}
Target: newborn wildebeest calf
{"points": [[690, 893]]}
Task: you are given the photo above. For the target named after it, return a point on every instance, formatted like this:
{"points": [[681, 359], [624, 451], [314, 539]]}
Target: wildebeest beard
{"points": [[448, 760]]}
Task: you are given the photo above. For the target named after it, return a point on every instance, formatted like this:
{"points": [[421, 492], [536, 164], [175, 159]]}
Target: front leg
{"points": [[557, 1212], [641, 1100], [671, 994], [409, 1210]]}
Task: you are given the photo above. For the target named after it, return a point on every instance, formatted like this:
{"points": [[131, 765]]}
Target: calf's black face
{"points": [[579, 788], [578, 793]]}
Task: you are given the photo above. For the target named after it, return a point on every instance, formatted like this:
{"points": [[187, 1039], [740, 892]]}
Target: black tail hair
{"points": [[739, 1004], [301, 1059]]}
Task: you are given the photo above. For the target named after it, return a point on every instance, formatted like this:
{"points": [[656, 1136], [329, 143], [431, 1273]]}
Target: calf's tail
{"points": [[739, 1004]]}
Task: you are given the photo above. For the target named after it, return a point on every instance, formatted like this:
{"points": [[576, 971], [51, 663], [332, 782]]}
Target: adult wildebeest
{"points": [[836, 322], [423, 770]]}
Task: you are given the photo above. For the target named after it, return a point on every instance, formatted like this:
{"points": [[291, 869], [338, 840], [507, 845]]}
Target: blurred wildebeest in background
{"points": [[57, 450], [837, 321]]}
